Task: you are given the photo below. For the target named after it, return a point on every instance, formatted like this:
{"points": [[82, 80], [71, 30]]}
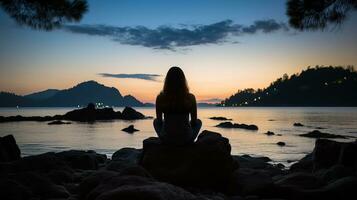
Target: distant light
{"points": [[255, 99], [245, 102], [345, 78], [326, 83], [258, 97]]}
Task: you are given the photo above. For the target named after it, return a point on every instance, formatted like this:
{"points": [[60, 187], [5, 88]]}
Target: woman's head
{"points": [[175, 83]]}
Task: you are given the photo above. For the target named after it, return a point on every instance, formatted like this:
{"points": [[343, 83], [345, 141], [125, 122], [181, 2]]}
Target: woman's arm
{"points": [[158, 109], [193, 110]]}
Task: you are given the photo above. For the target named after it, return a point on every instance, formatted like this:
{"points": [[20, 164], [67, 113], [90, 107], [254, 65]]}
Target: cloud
{"points": [[148, 77], [171, 38]]}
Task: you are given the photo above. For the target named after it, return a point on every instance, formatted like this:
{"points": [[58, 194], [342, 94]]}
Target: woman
{"points": [[174, 105]]}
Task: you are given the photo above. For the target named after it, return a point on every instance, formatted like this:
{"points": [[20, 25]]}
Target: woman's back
{"points": [[174, 106]]}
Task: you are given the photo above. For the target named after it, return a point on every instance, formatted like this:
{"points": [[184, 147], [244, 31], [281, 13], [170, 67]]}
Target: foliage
{"points": [[318, 14], [44, 14], [319, 86]]}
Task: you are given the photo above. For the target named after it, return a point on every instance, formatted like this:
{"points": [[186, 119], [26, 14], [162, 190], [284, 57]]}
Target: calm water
{"points": [[107, 137]]}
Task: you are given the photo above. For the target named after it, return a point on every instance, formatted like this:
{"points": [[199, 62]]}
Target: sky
{"points": [[222, 46]]}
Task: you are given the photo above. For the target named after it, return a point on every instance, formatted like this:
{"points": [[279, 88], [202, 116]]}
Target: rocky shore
{"points": [[88, 114], [203, 170]]}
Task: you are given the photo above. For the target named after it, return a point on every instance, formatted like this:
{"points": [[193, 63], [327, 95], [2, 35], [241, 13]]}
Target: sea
{"points": [[106, 136]]}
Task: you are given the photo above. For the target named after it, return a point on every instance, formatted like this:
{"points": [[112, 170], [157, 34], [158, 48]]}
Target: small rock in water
{"points": [[298, 124], [58, 122], [269, 133], [235, 125], [318, 134], [281, 143], [130, 129], [220, 118]]}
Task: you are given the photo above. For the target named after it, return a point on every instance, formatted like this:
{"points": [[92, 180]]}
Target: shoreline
{"points": [[139, 172]]}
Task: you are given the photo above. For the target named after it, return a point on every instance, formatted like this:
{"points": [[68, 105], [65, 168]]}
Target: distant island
{"points": [[318, 86], [79, 95]]}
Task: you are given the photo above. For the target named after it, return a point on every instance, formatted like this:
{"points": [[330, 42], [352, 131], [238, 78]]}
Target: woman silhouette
{"points": [[174, 105]]}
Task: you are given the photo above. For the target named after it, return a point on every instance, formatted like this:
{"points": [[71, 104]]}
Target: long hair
{"points": [[175, 87]]}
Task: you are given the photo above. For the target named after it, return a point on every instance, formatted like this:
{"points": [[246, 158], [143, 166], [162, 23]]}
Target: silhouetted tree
{"points": [[44, 14], [318, 14], [318, 86]]}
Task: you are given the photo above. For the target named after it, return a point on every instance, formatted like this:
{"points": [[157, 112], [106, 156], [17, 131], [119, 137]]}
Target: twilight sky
{"points": [[222, 46]]}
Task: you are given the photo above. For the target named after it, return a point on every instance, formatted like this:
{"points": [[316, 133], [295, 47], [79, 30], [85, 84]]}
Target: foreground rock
{"points": [[202, 171], [318, 134], [235, 125], [220, 118], [88, 114], [9, 151], [207, 163], [130, 129]]}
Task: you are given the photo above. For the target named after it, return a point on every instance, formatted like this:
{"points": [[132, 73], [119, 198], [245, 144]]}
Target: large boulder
{"points": [[301, 180], [43, 162], [246, 181], [82, 159], [303, 165], [206, 163], [9, 150], [328, 153], [127, 154], [110, 186]]}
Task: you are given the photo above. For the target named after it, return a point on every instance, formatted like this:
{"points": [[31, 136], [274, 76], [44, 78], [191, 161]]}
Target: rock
{"points": [[124, 158], [207, 163], [258, 163], [60, 177], [58, 122], [132, 187], [90, 114], [318, 134], [43, 162], [131, 114], [135, 170], [250, 182], [12, 190], [269, 133], [344, 188], [235, 125], [301, 180], [220, 118], [130, 129], [9, 151], [298, 124], [40, 185], [129, 155], [82, 159], [334, 173], [305, 164], [328, 153], [281, 144]]}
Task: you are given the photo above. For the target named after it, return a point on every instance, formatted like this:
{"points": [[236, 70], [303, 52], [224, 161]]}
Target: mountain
{"points": [[319, 86], [12, 100], [132, 101], [79, 95], [42, 95]]}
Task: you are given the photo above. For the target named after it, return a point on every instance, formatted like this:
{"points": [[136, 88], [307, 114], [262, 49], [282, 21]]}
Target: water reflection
{"points": [[107, 137]]}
